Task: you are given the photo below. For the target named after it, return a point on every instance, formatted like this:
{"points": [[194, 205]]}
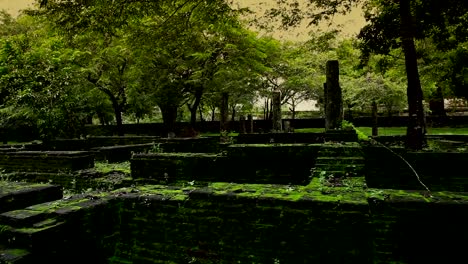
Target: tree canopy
{"points": [[68, 62]]}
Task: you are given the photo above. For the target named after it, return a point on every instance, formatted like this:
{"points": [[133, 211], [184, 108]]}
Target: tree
{"points": [[437, 20], [404, 17], [160, 30], [39, 74]]}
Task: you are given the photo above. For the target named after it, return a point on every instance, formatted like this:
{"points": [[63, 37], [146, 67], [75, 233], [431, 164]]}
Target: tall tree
{"points": [[40, 76], [404, 17]]}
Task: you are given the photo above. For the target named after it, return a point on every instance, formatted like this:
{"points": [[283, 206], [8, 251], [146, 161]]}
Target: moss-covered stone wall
{"points": [[120, 153], [243, 223], [289, 138], [440, 171], [193, 145], [252, 163], [229, 223], [47, 161], [17, 195]]}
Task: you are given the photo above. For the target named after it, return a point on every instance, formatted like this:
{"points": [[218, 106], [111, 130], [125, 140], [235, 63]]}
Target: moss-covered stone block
{"points": [[15, 256], [46, 161], [17, 195]]}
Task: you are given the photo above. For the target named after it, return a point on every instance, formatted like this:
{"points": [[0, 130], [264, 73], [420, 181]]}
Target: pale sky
{"points": [[351, 23], [13, 6]]}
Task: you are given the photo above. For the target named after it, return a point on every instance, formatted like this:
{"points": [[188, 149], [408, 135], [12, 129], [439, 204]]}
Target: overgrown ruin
{"points": [[324, 201]]}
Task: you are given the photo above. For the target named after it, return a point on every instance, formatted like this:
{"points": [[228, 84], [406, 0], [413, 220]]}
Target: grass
{"points": [[309, 130], [383, 131], [394, 131], [231, 134]]}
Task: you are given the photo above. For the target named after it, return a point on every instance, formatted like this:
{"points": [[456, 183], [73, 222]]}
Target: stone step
{"points": [[340, 167], [339, 151], [35, 238], [15, 256], [339, 160], [336, 174], [22, 218], [17, 195]]}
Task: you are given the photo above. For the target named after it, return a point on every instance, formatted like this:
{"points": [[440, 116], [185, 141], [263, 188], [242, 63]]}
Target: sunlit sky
{"points": [[351, 23]]}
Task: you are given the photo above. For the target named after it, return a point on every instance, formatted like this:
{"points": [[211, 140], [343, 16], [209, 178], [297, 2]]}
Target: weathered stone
{"points": [[46, 161], [277, 119], [15, 195], [333, 97]]}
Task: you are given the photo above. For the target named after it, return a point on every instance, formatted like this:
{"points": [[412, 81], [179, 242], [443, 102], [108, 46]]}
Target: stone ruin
{"points": [[267, 198]]}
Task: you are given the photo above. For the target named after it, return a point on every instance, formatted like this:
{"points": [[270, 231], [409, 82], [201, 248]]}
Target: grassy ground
{"points": [[383, 131], [391, 131], [231, 134]]}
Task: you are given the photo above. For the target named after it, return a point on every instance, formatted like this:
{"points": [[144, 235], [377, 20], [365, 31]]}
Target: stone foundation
{"points": [[46, 161], [247, 223], [276, 164]]}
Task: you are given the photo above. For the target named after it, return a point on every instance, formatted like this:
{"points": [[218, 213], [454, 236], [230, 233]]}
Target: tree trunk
{"points": [[375, 126], [293, 112], [169, 114], [416, 129], [200, 113], [224, 112], [118, 116], [233, 113], [194, 107], [270, 115], [213, 113]]}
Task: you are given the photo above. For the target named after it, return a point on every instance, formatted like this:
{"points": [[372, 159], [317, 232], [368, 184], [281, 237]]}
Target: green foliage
{"points": [[156, 148], [39, 77], [105, 167], [348, 125]]}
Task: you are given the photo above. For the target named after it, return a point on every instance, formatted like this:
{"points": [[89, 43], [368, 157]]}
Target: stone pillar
{"points": [[250, 124], [333, 97], [242, 129], [277, 120]]}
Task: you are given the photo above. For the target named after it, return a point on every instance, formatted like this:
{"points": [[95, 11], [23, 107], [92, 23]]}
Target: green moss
{"points": [[29, 230], [15, 253], [104, 167]]}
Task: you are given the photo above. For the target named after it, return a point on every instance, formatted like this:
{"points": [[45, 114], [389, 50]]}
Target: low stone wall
{"points": [[102, 141], [194, 145], [287, 138], [190, 145], [120, 153], [243, 223], [46, 161], [279, 164], [440, 171], [17, 195], [412, 228], [66, 145]]}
